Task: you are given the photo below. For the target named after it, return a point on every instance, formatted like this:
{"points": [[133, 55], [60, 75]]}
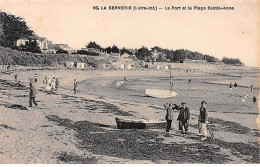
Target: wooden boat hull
{"points": [[157, 93], [139, 124]]}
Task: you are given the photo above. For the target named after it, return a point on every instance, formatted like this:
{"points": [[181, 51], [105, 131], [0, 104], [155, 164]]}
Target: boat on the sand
{"points": [[158, 93], [140, 123], [161, 93]]}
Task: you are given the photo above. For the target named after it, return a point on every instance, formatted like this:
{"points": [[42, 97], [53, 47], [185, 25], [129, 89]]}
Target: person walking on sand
{"points": [[57, 84], [184, 117], [254, 99], [168, 117], [235, 85], [32, 95], [15, 77], [75, 86], [203, 120], [35, 77], [53, 84], [252, 88], [244, 100], [230, 86]]}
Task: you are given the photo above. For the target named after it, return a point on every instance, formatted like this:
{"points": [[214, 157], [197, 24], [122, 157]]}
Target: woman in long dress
{"points": [[48, 85]]}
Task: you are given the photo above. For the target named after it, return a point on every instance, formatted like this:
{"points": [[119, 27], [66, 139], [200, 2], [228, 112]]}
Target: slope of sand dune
{"points": [[81, 128]]}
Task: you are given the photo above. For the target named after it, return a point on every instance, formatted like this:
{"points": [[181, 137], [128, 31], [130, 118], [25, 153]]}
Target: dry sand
{"points": [[81, 128]]}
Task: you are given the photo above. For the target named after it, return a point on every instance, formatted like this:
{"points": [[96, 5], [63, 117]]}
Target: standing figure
{"points": [[15, 77], [168, 117], [230, 86], [252, 88], [244, 100], [203, 120], [48, 84], [35, 77], [254, 99], [184, 117], [75, 86], [57, 84], [235, 85], [53, 84], [32, 95]]}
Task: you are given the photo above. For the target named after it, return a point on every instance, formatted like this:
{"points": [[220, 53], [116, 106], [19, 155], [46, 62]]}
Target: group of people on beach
{"points": [[51, 84], [244, 97], [184, 117]]}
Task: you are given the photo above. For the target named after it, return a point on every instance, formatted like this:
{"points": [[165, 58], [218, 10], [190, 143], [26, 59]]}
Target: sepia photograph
{"points": [[129, 82]]}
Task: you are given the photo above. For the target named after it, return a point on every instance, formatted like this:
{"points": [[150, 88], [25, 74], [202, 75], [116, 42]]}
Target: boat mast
{"points": [[171, 82]]}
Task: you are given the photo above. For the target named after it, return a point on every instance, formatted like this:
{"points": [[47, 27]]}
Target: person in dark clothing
{"points": [[75, 86], [15, 77], [57, 83], [168, 117], [35, 77], [230, 86], [235, 85], [203, 120], [32, 95], [184, 117], [254, 99]]}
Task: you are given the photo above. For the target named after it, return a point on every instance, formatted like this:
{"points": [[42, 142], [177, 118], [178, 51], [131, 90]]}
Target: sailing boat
{"points": [[158, 93]]}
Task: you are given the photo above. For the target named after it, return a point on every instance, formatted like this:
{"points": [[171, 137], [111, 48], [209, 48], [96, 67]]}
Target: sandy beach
{"points": [[81, 128]]}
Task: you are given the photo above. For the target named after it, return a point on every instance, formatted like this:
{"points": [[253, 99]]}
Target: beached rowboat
{"points": [[139, 123], [157, 93]]}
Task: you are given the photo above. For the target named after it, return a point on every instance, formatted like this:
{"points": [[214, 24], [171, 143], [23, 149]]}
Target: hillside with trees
{"points": [[13, 28], [232, 61]]}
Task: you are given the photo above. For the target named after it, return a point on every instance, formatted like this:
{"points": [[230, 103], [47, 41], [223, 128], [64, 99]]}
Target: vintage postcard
{"points": [[129, 81]]}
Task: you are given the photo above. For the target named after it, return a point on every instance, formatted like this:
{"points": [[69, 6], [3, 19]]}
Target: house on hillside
{"points": [[186, 60], [42, 42], [63, 47], [22, 41], [156, 55], [69, 64]]}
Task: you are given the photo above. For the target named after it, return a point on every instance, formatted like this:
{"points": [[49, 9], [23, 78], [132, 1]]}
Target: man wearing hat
{"points": [[203, 120], [184, 117]]}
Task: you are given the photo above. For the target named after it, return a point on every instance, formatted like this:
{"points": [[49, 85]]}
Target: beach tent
{"points": [[80, 65], [69, 64]]}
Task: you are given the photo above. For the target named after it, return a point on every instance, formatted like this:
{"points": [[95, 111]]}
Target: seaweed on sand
{"points": [[76, 159], [138, 144]]}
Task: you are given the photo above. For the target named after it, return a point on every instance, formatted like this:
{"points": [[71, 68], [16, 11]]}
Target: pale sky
{"points": [[217, 33]]}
